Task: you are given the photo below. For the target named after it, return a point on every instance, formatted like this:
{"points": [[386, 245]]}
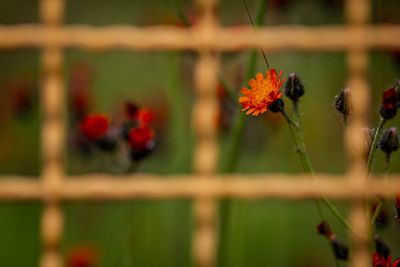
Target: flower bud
{"points": [[294, 88], [324, 229], [131, 110], [277, 106], [340, 250], [343, 103], [388, 108], [389, 141]]}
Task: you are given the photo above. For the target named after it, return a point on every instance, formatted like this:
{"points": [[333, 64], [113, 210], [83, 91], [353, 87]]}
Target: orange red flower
{"points": [[263, 92]]}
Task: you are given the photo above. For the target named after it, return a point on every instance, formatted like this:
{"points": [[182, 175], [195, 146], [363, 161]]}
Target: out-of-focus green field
{"points": [[146, 233]]}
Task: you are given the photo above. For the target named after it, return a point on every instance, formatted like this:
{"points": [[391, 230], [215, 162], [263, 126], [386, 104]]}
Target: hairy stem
{"points": [[308, 168]]}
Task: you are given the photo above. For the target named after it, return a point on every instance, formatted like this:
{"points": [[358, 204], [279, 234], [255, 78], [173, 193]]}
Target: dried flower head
{"points": [[95, 126], [343, 103], [262, 93], [294, 88], [389, 141], [388, 108]]}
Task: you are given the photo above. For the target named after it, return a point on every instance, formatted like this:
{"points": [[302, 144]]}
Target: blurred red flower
{"points": [[83, 256], [145, 117], [95, 126], [379, 260], [140, 138]]}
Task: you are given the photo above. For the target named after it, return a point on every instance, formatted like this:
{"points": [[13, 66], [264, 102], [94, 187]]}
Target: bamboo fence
{"points": [[357, 37]]}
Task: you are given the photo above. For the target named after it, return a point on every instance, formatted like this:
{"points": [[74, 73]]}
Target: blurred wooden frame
{"points": [[204, 187]]}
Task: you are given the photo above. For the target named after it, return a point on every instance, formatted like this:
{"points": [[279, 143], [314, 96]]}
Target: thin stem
{"points": [[228, 88], [372, 150], [233, 146], [381, 200], [289, 120], [234, 142], [179, 12], [254, 26], [307, 166], [304, 163]]}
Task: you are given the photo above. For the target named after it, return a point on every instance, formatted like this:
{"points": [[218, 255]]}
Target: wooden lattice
{"points": [[205, 187]]}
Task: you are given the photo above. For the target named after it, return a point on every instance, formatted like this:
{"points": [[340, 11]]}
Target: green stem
{"points": [[372, 150], [180, 13], [307, 166], [234, 142], [228, 88], [233, 146], [289, 120]]}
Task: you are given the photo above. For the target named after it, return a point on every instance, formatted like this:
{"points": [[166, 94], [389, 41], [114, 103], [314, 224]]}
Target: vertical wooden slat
{"points": [[205, 155], [358, 13], [52, 137]]}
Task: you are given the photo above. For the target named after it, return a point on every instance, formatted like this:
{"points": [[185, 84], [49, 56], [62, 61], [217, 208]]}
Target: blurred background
{"points": [[147, 233]]}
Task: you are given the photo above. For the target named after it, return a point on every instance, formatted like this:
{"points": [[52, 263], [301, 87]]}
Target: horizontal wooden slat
{"points": [[275, 38], [107, 187]]}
